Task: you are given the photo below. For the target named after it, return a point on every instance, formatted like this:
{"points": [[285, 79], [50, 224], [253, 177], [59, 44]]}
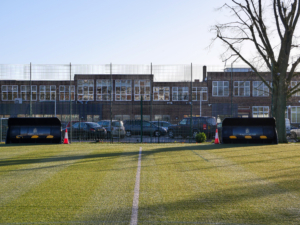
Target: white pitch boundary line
{"points": [[135, 204]]}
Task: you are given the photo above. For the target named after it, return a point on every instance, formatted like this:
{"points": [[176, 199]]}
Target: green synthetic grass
{"points": [[93, 183]]}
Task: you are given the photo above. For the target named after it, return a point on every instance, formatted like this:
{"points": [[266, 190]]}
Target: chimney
{"points": [[204, 73]]}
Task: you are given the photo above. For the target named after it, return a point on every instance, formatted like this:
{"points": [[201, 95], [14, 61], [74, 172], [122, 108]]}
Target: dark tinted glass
{"points": [[146, 124], [253, 131], [35, 131], [76, 125], [117, 124], [93, 124], [105, 123]]}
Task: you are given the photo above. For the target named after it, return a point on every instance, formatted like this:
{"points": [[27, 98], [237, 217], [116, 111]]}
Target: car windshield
{"points": [[104, 123], [117, 124], [161, 124], [211, 121], [185, 121], [94, 125]]}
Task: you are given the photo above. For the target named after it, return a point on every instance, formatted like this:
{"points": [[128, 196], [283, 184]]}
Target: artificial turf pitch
{"points": [[93, 183]]}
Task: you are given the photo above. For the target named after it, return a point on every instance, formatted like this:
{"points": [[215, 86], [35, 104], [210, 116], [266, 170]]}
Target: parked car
{"points": [[133, 127], [116, 128], [293, 127], [86, 130], [163, 124], [204, 124], [294, 133], [67, 124]]}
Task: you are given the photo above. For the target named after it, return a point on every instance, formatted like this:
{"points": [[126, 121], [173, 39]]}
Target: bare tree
{"points": [[270, 28]]}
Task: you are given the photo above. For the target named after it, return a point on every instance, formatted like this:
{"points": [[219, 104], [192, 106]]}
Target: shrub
{"points": [[200, 137]]}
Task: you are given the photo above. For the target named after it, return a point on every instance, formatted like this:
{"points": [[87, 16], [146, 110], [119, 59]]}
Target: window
{"points": [[180, 93], [25, 92], [123, 90], [142, 88], [145, 117], [122, 117], [89, 118], [293, 84], [260, 111], [197, 91], [65, 91], [103, 90], [85, 90], [9, 92], [260, 89], [47, 92], [162, 117], [220, 88], [295, 114], [161, 93], [241, 88]]}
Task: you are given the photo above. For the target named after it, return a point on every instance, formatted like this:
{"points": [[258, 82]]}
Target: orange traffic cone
{"points": [[217, 137], [66, 140]]}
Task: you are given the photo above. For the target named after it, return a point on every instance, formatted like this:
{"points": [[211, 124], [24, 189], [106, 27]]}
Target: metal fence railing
{"points": [[163, 97]]}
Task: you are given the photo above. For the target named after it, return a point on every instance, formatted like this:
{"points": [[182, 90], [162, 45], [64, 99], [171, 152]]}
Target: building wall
{"points": [[167, 109]]}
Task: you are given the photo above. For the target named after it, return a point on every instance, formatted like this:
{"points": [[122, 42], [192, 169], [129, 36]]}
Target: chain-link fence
{"points": [[134, 103]]}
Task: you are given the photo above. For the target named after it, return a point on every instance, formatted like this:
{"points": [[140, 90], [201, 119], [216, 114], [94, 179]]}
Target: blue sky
{"points": [[104, 31]]}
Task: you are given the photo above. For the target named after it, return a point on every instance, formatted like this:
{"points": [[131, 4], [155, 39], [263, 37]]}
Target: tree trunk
{"points": [[279, 109]]}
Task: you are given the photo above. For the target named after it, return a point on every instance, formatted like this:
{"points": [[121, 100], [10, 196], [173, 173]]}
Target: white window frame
{"points": [[180, 93], [295, 110], [220, 88], [10, 90], [161, 93], [103, 90], [24, 93], [142, 88], [123, 90], [51, 92], [85, 90], [260, 111], [242, 88], [197, 91], [63, 92], [260, 89]]}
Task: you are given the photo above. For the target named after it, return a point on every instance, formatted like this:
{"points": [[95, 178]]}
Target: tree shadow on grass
{"points": [[145, 153], [254, 204]]}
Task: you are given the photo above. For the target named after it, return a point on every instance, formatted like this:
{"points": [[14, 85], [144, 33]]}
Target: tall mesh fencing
{"points": [[133, 103]]}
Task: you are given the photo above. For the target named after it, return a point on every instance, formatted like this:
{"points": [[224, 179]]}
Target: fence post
{"points": [[151, 98], [111, 136], [141, 118], [70, 96], [158, 131], [191, 97], [119, 129], [0, 129]]}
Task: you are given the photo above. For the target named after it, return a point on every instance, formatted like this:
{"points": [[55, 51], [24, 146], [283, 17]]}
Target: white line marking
{"points": [[135, 204]]}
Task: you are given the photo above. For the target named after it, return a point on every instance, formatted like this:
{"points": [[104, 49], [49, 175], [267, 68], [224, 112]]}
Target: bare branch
{"points": [[297, 14], [277, 22], [294, 66]]}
